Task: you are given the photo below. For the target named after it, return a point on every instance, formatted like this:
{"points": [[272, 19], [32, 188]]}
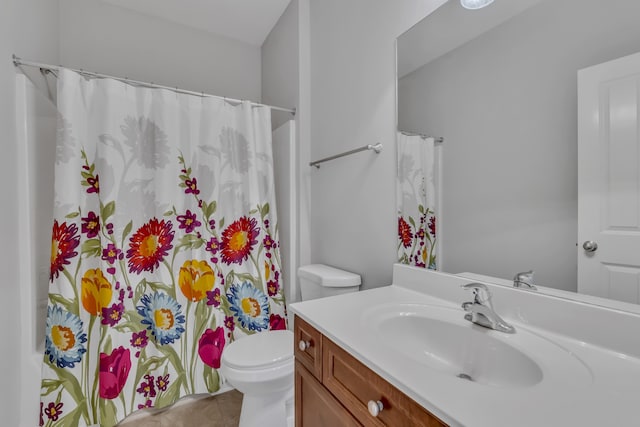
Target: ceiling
{"points": [[249, 21], [449, 27]]}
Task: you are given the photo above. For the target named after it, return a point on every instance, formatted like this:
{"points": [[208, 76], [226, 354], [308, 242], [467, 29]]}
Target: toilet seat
{"points": [[260, 351]]}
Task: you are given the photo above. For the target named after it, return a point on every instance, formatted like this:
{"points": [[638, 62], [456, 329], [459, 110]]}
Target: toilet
{"points": [[261, 365]]}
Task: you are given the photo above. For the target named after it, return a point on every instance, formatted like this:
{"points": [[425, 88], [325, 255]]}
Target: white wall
{"points": [[506, 104], [10, 333], [99, 37], [353, 218], [285, 82], [28, 28], [280, 64]]}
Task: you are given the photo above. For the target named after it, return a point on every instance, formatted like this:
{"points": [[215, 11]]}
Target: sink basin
{"points": [[439, 338]]}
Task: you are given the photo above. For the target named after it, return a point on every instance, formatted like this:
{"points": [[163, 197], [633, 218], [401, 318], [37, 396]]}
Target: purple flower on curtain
{"points": [[210, 347], [147, 404], [114, 371], [149, 245], [273, 287], [111, 253], [54, 410], [188, 221], [229, 323], [238, 240], [214, 298], [268, 242], [213, 245], [191, 186], [112, 315], [91, 225], [94, 184], [139, 339], [147, 388], [64, 241], [162, 382]]}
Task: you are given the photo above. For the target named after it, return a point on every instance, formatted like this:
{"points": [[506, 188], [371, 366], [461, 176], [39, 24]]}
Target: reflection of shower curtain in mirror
{"points": [[164, 248], [416, 201]]}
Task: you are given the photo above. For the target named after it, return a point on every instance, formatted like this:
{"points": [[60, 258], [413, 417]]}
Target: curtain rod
{"points": [[436, 139], [19, 61]]}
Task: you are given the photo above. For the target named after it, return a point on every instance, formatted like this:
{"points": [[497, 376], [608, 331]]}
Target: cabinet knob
{"points": [[303, 345], [375, 407]]}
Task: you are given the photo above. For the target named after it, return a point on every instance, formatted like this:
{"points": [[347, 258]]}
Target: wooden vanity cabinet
{"points": [[332, 388]]}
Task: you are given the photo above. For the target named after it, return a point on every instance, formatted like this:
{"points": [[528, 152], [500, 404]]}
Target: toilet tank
{"points": [[319, 281]]}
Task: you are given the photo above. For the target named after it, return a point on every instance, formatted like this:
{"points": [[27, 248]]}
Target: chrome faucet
{"points": [[480, 311], [524, 280]]}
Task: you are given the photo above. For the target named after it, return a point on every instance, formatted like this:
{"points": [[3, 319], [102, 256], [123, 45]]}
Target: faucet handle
{"points": [[525, 279], [480, 291]]}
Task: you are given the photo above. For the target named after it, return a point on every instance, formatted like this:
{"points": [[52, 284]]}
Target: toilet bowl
{"points": [[261, 365]]}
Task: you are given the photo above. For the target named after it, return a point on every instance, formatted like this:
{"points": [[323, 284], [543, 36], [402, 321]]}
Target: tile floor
{"points": [[222, 410]]}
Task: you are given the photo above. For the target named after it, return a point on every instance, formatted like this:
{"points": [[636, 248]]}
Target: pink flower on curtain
{"points": [[210, 346], [277, 322], [114, 371]]}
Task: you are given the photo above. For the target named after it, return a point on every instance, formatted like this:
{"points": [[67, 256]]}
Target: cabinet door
{"points": [[308, 346], [315, 406], [355, 386]]}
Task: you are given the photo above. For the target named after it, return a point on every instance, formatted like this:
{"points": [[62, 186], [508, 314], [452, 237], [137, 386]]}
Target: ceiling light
{"points": [[475, 4]]}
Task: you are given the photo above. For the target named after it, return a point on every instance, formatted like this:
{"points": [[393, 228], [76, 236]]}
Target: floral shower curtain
{"points": [[416, 193], [164, 247]]}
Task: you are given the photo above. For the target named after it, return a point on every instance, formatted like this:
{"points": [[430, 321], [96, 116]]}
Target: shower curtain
{"points": [[416, 198], [164, 247]]}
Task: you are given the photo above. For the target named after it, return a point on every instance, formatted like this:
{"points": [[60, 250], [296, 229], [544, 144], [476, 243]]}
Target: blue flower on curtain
{"points": [[163, 317], [250, 305], [64, 338]]}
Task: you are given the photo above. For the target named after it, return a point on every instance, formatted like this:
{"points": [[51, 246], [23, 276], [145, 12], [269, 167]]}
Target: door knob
{"points": [[590, 246]]}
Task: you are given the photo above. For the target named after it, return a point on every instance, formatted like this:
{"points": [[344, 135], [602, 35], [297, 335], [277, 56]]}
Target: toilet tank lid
{"points": [[328, 276]]}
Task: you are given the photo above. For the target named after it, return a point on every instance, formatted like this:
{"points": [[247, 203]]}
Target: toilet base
{"points": [[267, 411]]}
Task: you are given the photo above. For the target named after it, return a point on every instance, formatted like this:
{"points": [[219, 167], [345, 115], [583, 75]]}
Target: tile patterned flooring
{"points": [[222, 410]]}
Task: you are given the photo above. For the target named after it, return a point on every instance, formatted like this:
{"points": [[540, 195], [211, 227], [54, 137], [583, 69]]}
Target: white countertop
{"points": [[602, 387]]}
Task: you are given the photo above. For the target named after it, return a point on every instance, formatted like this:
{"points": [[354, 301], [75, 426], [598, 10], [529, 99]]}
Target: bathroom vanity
{"points": [[405, 355], [334, 388]]}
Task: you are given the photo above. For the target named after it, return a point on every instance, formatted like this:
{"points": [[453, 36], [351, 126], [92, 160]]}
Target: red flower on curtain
{"points": [[210, 346], [149, 245], [432, 226], [114, 371], [404, 232], [64, 241], [238, 240]]}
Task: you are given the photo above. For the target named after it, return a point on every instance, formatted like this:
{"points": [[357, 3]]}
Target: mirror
{"points": [[499, 84]]}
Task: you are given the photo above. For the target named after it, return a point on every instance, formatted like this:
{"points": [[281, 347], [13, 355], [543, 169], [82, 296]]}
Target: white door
{"points": [[609, 179]]}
